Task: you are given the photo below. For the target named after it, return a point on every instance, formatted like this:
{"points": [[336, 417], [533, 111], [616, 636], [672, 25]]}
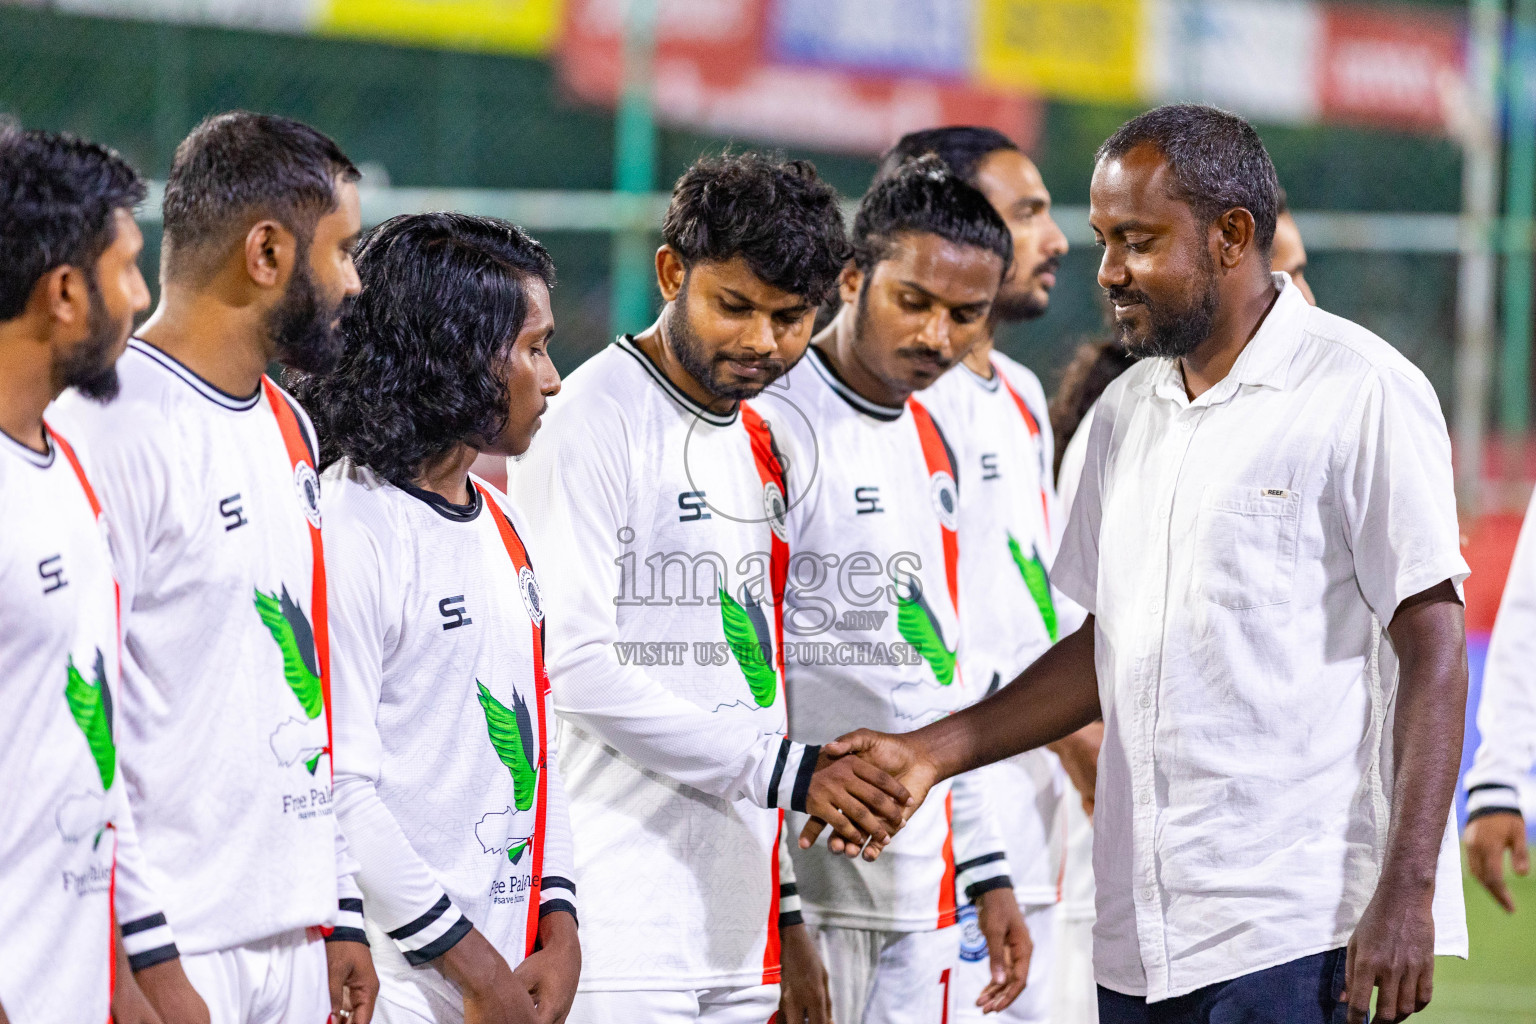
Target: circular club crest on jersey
{"points": [[776, 511], [533, 600], [308, 486], [973, 944], [946, 499]]}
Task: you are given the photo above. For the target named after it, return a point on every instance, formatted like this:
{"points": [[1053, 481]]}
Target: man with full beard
{"points": [[1010, 525], [206, 472], [1265, 537], [658, 497]]}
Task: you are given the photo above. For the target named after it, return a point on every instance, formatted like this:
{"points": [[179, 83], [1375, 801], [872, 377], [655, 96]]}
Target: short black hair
{"points": [[444, 296], [962, 147], [237, 167], [58, 194], [925, 196], [775, 214], [1217, 159]]}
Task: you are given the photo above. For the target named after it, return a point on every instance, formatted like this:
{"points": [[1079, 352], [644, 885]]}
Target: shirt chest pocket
{"points": [[1245, 545]]}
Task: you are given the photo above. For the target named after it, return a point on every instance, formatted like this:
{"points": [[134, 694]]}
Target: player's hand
{"points": [[862, 803], [1393, 950], [354, 985], [1488, 837], [1079, 755], [1009, 946], [491, 994], [898, 757], [550, 973], [170, 992], [803, 994]]}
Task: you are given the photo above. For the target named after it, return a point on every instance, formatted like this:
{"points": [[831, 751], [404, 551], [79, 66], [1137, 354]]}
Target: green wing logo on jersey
{"points": [[918, 627], [746, 631], [91, 704], [1037, 580], [511, 733], [295, 638]]}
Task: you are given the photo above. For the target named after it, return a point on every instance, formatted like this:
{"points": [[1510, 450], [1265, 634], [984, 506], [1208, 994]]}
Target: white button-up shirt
{"points": [[1242, 553]]}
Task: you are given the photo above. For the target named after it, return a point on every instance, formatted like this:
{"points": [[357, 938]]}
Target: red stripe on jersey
{"points": [[519, 556], [771, 949], [947, 883], [771, 472], [298, 452], [1038, 438], [936, 455]]}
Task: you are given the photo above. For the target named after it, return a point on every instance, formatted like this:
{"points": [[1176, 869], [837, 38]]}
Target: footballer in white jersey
{"points": [[447, 786], [875, 606], [207, 472], [69, 860], [661, 499]]}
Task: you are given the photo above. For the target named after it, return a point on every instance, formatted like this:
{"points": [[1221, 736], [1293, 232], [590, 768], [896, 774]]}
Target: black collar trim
{"points": [[627, 343], [445, 508], [218, 396], [42, 460], [835, 381]]}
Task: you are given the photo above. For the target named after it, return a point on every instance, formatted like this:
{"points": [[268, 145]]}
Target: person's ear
{"points": [[65, 297], [670, 273], [849, 282], [1234, 232], [270, 251]]}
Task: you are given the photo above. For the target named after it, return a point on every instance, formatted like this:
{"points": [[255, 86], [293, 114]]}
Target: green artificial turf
{"points": [[1498, 984]]}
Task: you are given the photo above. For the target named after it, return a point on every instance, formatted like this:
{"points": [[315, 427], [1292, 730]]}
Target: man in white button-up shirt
{"points": [[1266, 534]]}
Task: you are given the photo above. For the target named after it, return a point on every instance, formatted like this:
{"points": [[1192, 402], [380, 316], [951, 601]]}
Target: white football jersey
{"points": [[446, 784], [1010, 526], [223, 724], [873, 633], [66, 840], [663, 523]]}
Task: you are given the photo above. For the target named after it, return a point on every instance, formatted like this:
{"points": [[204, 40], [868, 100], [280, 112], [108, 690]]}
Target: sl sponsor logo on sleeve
{"points": [[307, 484], [973, 944]]}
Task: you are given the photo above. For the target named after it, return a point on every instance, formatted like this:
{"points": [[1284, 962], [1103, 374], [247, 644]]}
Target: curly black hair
{"points": [[775, 214], [444, 296], [57, 197], [925, 196], [963, 147]]}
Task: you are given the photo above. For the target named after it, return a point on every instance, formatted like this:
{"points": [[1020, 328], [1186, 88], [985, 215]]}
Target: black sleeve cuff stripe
{"points": [[143, 924], [150, 957], [1483, 812], [405, 931], [556, 882], [558, 906], [351, 903], [778, 774], [789, 889], [347, 935], [974, 891], [803, 780], [790, 919], [1488, 785], [445, 942], [986, 858]]}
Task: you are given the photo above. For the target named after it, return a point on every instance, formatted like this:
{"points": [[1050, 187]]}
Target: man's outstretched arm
{"points": [[1394, 945], [1057, 695]]}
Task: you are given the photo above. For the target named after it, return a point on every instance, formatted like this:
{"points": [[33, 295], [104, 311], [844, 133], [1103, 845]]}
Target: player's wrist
{"points": [[473, 964]]}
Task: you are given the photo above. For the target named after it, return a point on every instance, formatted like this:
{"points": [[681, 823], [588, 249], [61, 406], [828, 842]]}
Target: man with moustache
{"points": [[206, 470], [1265, 536], [874, 606], [660, 498], [1009, 528]]}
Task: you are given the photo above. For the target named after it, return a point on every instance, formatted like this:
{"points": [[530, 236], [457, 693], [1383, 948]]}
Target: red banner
{"points": [[1397, 67], [711, 73]]}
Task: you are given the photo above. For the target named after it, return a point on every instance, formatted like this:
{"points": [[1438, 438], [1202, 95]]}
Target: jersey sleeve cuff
{"points": [[557, 893], [148, 941], [432, 934], [982, 874], [349, 922], [789, 905], [1492, 798], [792, 771]]}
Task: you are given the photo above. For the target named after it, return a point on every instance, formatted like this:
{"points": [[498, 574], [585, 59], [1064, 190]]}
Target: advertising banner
{"points": [[1395, 67], [907, 37], [505, 26], [1088, 50]]}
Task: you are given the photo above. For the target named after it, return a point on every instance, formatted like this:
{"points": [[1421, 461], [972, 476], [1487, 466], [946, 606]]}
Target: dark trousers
{"points": [[1304, 991]]}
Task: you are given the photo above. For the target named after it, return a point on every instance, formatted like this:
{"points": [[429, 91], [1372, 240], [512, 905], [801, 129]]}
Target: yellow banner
{"points": [[1067, 49], [507, 26]]}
